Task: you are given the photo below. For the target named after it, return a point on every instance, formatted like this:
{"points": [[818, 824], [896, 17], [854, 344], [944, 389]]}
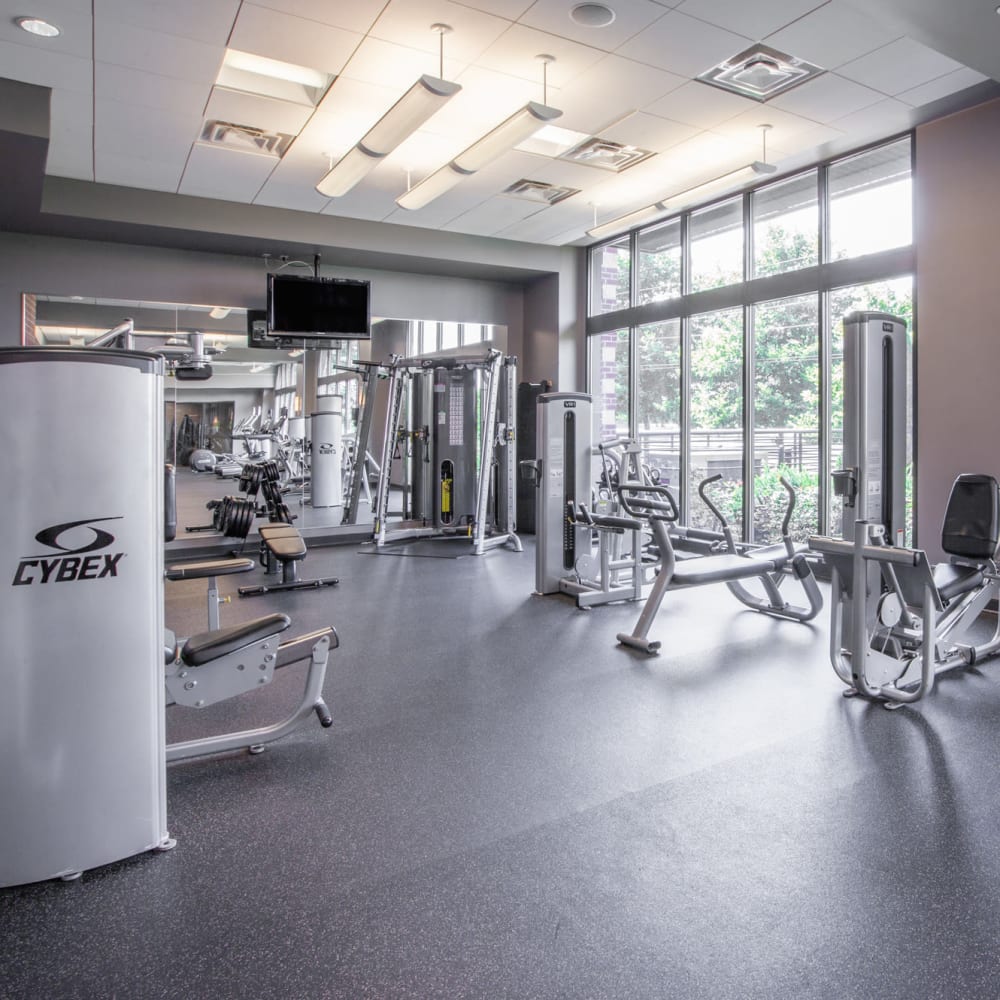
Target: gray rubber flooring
{"points": [[508, 805]]}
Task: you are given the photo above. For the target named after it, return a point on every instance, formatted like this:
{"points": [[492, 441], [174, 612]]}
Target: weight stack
{"points": [[527, 424], [82, 757], [326, 483]]}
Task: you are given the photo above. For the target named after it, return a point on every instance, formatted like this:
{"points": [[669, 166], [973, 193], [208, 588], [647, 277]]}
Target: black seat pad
{"points": [[211, 567], [283, 541], [207, 646], [952, 580], [718, 569]]}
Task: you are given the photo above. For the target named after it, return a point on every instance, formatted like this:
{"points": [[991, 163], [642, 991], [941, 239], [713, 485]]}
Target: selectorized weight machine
{"points": [[451, 423], [83, 747], [896, 620], [644, 513]]}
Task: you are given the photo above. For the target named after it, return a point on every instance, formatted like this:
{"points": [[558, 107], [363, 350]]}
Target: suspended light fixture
{"points": [[415, 107], [518, 127], [681, 199]]}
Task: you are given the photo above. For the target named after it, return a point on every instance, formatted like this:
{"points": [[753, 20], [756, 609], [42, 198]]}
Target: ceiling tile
{"points": [[225, 174], [300, 197], [825, 98], [195, 19], [408, 23], [511, 9], [160, 174], [649, 132], [746, 126], [898, 66], [613, 89], [260, 112], [572, 215], [700, 105], [291, 39], [358, 15], [126, 128], [45, 69], [153, 52], [516, 53], [882, 119], [387, 64], [684, 45], [631, 17], [943, 86], [832, 35], [754, 20], [72, 19], [133, 86], [493, 215], [805, 140]]}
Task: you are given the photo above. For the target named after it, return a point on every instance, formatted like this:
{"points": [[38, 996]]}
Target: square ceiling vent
{"points": [[244, 138], [608, 155], [760, 73], [539, 191]]}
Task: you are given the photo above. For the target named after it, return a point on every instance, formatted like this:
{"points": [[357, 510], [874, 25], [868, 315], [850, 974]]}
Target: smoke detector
{"points": [[607, 155], [539, 191], [760, 73]]}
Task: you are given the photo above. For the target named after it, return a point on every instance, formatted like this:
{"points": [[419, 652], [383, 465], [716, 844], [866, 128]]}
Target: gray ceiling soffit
{"points": [[964, 30], [24, 108], [275, 229]]}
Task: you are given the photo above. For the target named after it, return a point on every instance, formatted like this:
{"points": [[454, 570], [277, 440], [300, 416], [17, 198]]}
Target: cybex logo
{"points": [[74, 539]]}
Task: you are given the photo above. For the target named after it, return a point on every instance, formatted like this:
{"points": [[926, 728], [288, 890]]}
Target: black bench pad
{"points": [[718, 569], [952, 580], [283, 542], [208, 646], [208, 567]]}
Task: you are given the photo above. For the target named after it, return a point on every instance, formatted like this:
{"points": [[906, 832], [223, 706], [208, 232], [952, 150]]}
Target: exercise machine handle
{"points": [[640, 504], [790, 508], [708, 503]]}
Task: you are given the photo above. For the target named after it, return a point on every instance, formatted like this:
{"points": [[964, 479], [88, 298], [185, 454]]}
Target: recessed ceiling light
{"points": [[36, 26], [592, 15]]}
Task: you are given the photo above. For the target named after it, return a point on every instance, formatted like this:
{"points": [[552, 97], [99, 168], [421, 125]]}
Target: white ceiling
{"points": [[134, 80]]}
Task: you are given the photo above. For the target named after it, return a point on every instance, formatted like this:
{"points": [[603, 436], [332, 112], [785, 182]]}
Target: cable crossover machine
{"points": [[450, 425]]}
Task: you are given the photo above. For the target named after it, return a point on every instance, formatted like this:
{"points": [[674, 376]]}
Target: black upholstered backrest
{"points": [[972, 520]]}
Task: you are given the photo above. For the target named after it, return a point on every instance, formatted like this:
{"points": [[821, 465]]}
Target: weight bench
{"points": [[282, 545], [210, 569], [213, 666]]}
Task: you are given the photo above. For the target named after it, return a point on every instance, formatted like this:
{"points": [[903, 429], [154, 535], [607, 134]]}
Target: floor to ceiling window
{"points": [[724, 353]]}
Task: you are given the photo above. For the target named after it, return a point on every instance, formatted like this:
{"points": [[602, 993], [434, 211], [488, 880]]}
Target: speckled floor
{"points": [[508, 805]]}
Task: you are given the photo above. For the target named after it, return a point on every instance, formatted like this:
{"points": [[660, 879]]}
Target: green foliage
{"points": [[770, 504]]}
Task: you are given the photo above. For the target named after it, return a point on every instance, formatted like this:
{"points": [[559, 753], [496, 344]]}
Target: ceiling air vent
{"points": [[760, 73], [244, 138], [540, 192], [607, 155]]}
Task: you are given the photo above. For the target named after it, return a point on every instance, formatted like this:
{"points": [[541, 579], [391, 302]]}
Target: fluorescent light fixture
{"points": [[36, 26], [523, 123], [425, 97], [262, 66], [683, 198], [219, 312]]}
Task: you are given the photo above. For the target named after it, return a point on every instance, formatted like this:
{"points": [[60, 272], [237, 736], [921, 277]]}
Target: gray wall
{"points": [[957, 228]]}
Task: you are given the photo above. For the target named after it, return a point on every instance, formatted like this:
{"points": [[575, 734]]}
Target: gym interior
{"points": [[501, 499]]}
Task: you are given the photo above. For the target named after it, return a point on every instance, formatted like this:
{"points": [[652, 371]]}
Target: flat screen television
{"points": [[300, 307]]}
